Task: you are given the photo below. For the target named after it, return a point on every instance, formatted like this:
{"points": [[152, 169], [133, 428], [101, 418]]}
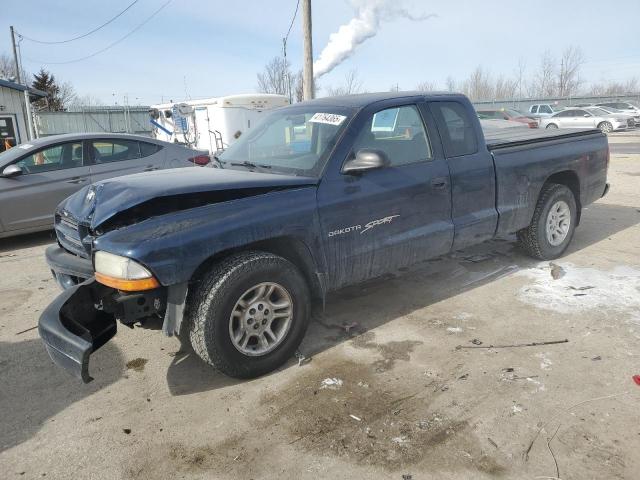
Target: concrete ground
{"points": [[406, 402]]}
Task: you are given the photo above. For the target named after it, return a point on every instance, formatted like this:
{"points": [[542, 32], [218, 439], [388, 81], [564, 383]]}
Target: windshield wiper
{"points": [[249, 165]]}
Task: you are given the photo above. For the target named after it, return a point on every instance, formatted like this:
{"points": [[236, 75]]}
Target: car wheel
{"points": [[605, 127], [553, 223], [551, 126], [248, 314]]}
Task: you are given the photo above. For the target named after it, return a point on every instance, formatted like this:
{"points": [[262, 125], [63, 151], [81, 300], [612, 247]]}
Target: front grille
{"points": [[70, 235]]}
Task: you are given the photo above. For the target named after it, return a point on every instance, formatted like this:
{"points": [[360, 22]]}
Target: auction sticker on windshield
{"points": [[330, 118]]}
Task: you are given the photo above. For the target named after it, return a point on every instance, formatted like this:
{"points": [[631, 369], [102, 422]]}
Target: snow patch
{"points": [[581, 289]]}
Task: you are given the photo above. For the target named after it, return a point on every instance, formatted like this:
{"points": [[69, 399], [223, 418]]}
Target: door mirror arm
{"points": [[11, 171], [364, 160]]}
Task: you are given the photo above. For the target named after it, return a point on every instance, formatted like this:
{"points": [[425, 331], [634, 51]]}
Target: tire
{"points": [[209, 321], [605, 127], [552, 126], [536, 240]]}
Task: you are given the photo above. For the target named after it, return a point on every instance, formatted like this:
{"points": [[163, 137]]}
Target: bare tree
{"points": [[615, 88], [8, 69], [505, 88], [520, 73], [478, 85], [543, 84], [352, 84], [67, 95], [276, 77], [451, 84], [568, 74], [426, 86], [86, 101]]}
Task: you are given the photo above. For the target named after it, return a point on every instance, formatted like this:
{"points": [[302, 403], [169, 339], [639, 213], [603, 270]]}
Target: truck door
{"points": [[472, 173], [379, 220]]}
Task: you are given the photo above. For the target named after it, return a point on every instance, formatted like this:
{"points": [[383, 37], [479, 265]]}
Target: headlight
{"points": [[122, 272]]}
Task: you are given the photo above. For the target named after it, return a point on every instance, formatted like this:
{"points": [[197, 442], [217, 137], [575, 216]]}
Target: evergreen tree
{"points": [[46, 81]]}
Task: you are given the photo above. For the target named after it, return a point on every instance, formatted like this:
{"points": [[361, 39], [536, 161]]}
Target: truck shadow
{"points": [[34, 390], [13, 244], [355, 310]]}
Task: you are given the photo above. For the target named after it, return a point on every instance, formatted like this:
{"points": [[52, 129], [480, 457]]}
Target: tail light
{"points": [[200, 160]]}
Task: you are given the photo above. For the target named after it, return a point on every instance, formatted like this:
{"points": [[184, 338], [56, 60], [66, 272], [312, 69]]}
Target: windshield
{"points": [[292, 140]]}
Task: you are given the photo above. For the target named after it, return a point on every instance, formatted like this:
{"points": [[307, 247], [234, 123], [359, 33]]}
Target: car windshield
{"points": [[291, 140], [597, 111]]}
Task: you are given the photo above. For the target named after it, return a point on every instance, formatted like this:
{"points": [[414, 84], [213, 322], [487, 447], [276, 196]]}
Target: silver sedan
{"points": [[36, 176], [585, 118]]}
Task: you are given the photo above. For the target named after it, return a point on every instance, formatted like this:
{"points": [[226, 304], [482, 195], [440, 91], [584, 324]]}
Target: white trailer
{"points": [[213, 123]]}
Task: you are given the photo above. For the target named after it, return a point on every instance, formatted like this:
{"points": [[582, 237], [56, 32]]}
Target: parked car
{"points": [[585, 118], [36, 176], [624, 106], [623, 114], [541, 110], [235, 259], [508, 114]]}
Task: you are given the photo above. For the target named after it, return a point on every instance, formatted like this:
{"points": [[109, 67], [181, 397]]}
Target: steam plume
{"points": [[369, 15]]}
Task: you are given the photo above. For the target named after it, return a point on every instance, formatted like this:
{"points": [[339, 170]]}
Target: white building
{"points": [[213, 123], [13, 126]]}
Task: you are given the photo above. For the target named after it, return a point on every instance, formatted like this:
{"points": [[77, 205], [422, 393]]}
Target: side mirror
{"points": [[365, 159], [586, 115], [12, 171]]}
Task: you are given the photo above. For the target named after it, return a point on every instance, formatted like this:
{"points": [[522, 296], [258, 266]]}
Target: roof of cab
{"points": [[363, 99]]}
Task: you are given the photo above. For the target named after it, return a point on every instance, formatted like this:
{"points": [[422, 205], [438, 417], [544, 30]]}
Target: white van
{"points": [[213, 123]]}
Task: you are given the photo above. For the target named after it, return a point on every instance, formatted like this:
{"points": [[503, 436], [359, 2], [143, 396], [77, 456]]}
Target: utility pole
{"points": [[27, 101], [307, 73], [15, 54]]}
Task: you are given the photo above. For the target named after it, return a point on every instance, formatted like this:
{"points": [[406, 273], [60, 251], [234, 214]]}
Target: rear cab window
{"points": [[147, 149], [456, 127]]}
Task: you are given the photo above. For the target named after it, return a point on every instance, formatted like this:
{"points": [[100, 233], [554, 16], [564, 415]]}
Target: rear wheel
{"points": [[249, 314], [605, 127], [551, 126], [553, 223]]}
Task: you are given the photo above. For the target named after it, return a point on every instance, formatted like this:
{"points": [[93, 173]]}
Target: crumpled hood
{"points": [[95, 204]]}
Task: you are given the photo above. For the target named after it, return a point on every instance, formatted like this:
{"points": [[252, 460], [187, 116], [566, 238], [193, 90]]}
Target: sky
{"points": [[208, 48]]}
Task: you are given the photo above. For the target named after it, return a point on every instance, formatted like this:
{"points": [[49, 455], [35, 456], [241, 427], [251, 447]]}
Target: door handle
{"points": [[439, 183], [77, 180]]}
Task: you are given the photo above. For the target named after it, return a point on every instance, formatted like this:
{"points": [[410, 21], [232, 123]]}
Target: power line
{"points": [[84, 35], [286, 37], [108, 46]]}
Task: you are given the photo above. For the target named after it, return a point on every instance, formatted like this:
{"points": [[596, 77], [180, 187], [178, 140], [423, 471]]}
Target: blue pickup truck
{"points": [[320, 195]]}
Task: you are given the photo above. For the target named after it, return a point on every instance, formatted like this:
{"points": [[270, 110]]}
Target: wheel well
{"points": [[570, 179], [290, 248]]}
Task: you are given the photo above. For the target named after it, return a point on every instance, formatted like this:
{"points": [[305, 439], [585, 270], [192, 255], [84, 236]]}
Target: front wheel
{"points": [[552, 126], [249, 314], [605, 127], [553, 223]]}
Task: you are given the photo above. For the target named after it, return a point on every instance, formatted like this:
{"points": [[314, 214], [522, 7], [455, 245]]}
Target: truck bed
{"points": [[513, 137]]}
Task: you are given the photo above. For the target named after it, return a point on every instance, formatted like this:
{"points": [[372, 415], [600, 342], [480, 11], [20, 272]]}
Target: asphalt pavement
{"points": [[624, 148]]}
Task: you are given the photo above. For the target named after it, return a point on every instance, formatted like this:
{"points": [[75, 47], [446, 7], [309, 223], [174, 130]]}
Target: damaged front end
{"points": [[84, 317]]}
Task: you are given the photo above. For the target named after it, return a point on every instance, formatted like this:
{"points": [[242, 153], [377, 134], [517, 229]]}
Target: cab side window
{"points": [[58, 157], [456, 128], [147, 149], [397, 132]]}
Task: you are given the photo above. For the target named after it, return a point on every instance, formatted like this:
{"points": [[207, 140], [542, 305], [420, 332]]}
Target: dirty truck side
{"points": [[320, 195]]}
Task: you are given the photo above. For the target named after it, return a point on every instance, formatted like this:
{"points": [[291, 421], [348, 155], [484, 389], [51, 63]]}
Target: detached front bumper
{"points": [[68, 269], [74, 326]]}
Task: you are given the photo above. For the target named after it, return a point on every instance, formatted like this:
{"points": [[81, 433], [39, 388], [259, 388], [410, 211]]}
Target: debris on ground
{"points": [[357, 419], [349, 326], [492, 442], [636, 378], [126, 430], [454, 329], [596, 358], [302, 360], [137, 364], [27, 330], [515, 345], [475, 341], [407, 476], [557, 271], [331, 383]]}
